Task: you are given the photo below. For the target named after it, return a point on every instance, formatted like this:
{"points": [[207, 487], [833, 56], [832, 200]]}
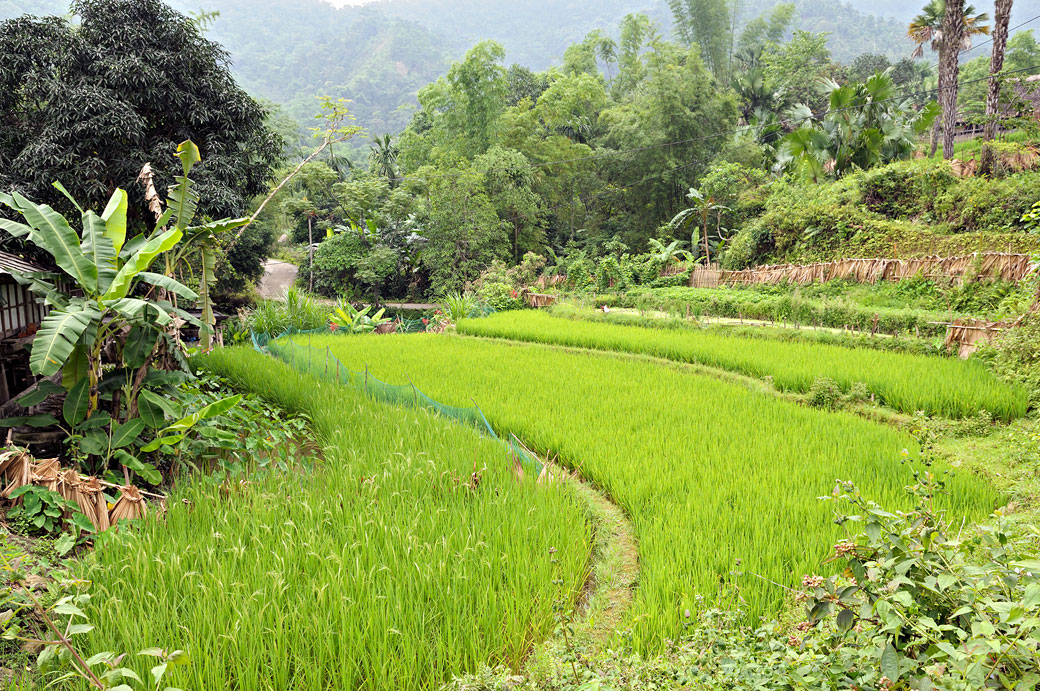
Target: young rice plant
{"points": [[719, 481], [948, 387], [411, 554]]}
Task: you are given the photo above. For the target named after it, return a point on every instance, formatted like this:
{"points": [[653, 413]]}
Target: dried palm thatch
{"points": [[91, 500], [984, 265], [540, 300], [16, 468], [130, 505], [68, 487], [45, 474]]}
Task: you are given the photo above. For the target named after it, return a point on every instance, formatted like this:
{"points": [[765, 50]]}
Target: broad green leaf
{"points": [[183, 201], [75, 367], [139, 344], [151, 410], [209, 263], [890, 662], [170, 284], [114, 217], [69, 609], [189, 155], [18, 230], [158, 672], [162, 441], [56, 339], [210, 411], [140, 262], [135, 308], [132, 246], [144, 470], [68, 195], [44, 389], [42, 420], [98, 248], [41, 283], [61, 241], [76, 402], [215, 227], [98, 420], [127, 432]]}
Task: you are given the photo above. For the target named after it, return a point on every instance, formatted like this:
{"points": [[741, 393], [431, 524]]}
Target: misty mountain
{"points": [[380, 54]]}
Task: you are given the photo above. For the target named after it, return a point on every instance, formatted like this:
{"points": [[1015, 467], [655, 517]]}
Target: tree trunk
{"points": [[707, 254], [310, 251], [949, 69], [1000, 36], [936, 129]]}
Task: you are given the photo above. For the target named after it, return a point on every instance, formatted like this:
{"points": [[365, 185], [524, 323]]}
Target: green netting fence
{"points": [[322, 364]]}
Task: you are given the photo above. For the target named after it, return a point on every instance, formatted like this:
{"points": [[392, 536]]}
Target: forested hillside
{"points": [[379, 55]]}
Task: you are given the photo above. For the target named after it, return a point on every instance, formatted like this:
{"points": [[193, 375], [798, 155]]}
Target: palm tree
{"points": [[384, 158], [1001, 17], [927, 27], [702, 206], [937, 20]]}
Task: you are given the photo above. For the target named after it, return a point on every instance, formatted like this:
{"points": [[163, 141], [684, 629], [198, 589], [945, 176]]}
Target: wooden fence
{"points": [[980, 265]]}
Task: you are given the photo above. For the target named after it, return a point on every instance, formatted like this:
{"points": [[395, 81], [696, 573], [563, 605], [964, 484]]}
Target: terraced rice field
{"points": [[717, 479], [387, 567], [940, 386]]}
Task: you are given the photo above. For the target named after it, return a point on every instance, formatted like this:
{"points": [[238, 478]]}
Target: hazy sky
{"points": [[341, 3]]}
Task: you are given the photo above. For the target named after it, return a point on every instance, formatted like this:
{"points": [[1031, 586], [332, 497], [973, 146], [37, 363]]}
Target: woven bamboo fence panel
{"points": [[985, 265]]}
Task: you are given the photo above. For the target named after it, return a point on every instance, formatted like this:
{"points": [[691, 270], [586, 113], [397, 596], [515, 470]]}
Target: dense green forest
{"points": [[380, 54]]}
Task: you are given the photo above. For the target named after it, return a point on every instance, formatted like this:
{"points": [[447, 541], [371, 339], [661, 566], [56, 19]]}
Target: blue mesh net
{"points": [[322, 364]]}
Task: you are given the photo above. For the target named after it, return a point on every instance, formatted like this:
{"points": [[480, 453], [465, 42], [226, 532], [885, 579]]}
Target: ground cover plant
{"points": [[944, 386], [733, 327], [715, 477], [334, 577], [789, 308]]}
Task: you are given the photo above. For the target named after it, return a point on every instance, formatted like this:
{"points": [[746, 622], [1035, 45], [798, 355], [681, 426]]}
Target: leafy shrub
{"points": [[499, 297], [919, 604], [824, 393], [979, 203], [905, 188], [858, 393], [1015, 355], [335, 263]]}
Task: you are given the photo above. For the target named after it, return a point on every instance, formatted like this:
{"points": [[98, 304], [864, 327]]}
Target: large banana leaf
{"points": [[40, 283], [98, 248], [57, 337], [140, 262], [114, 217], [208, 251], [214, 227], [75, 369], [61, 241], [133, 308], [170, 284], [184, 202]]}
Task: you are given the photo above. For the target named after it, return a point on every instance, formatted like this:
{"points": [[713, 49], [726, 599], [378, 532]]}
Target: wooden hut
{"points": [[20, 317]]}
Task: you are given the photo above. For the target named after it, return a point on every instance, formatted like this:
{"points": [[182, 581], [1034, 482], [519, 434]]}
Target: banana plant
{"points": [[201, 239], [354, 320], [108, 312]]}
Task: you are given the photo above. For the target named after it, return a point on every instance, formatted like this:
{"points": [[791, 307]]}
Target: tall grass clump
{"points": [[719, 481], [948, 387], [296, 311], [412, 554]]}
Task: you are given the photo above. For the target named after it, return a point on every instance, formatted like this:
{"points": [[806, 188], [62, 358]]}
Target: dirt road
{"points": [[277, 277]]}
